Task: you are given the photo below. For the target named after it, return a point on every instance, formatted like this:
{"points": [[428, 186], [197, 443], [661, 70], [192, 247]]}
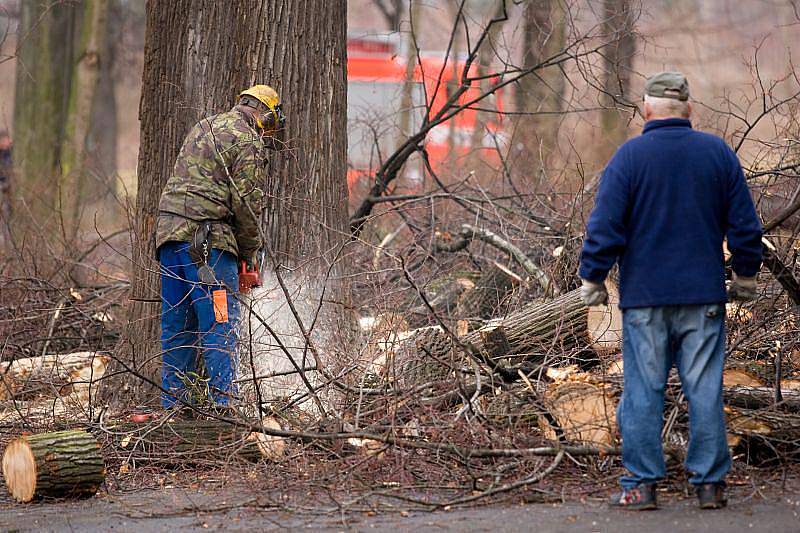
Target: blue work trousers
{"points": [[692, 337], [195, 324]]}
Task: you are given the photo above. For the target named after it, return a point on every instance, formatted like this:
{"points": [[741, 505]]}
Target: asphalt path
{"points": [[181, 510]]}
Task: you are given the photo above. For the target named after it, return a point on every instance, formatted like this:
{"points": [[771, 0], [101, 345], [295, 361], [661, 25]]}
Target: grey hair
{"points": [[667, 107]]}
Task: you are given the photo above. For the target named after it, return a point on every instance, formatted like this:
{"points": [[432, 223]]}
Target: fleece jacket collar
{"points": [[666, 123]]}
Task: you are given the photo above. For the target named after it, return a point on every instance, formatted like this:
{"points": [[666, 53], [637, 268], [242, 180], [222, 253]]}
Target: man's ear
{"points": [[648, 111], [689, 109]]}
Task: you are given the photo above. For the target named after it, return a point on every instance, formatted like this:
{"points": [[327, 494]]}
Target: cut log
{"points": [[579, 412], [733, 377], [428, 355], [760, 397], [776, 430], [59, 464], [490, 290], [171, 442], [50, 375], [443, 295], [561, 325]]}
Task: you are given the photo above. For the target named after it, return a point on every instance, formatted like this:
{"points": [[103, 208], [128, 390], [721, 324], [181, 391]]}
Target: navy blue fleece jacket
{"points": [[666, 201]]}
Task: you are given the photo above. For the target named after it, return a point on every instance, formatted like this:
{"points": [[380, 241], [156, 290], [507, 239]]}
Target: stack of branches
{"points": [[39, 317]]}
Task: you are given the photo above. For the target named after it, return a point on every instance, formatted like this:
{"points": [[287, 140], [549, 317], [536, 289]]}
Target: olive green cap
{"points": [[667, 85]]}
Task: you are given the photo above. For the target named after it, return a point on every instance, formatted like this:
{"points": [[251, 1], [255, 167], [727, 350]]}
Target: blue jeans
{"points": [[654, 338], [192, 325]]}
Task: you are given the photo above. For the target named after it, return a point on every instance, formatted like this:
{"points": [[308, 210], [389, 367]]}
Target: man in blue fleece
{"points": [[666, 201]]}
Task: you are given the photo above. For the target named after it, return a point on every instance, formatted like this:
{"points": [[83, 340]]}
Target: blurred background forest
{"points": [[558, 124]]}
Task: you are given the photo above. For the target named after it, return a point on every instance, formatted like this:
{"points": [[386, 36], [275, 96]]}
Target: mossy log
{"points": [[59, 464], [173, 442]]}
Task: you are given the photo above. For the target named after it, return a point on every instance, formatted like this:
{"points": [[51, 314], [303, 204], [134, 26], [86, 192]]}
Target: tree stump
{"points": [[59, 464]]}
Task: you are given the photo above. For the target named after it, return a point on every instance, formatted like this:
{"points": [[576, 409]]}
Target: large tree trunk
{"points": [[198, 55], [304, 58]]}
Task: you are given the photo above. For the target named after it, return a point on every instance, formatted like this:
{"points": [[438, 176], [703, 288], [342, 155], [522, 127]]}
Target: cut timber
{"points": [[192, 442], [59, 464], [579, 412], [604, 323], [50, 375], [490, 290], [427, 356], [561, 325], [760, 397], [443, 295], [774, 429], [733, 377]]}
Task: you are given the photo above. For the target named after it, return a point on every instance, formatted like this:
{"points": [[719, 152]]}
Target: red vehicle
{"points": [[376, 77]]}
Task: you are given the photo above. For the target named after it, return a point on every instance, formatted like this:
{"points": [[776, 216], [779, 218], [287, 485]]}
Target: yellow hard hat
{"points": [[264, 94]]}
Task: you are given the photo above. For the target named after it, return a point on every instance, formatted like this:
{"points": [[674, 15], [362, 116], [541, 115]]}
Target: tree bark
{"points": [[563, 325], [182, 442], [619, 21], [104, 123], [58, 464], [491, 289], [542, 93], [73, 179], [43, 81]]}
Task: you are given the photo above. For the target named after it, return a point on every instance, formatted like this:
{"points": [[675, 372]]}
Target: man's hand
{"points": [[594, 293], [742, 289], [251, 263]]}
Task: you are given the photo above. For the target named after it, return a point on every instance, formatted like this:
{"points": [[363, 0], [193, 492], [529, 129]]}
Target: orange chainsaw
{"points": [[250, 278]]}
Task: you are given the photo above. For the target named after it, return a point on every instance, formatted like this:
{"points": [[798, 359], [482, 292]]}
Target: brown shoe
{"points": [[711, 495]]}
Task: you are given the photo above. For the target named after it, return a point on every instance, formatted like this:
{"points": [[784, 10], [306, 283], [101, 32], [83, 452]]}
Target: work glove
{"points": [[594, 293], [742, 289], [251, 262]]}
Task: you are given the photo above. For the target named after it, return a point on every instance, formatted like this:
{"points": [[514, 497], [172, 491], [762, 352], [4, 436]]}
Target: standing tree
{"points": [[198, 54], [57, 73], [539, 97], [619, 20]]}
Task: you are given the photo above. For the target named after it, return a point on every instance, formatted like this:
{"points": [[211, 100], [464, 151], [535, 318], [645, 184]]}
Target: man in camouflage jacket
{"points": [[208, 222]]}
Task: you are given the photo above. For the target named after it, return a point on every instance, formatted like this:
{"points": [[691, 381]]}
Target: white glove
{"points": [[742, 289], [594, 293]]}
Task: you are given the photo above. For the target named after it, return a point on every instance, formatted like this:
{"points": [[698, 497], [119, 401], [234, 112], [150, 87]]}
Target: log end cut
{"points": [[604, 323], [19, 470], [58, 464]]}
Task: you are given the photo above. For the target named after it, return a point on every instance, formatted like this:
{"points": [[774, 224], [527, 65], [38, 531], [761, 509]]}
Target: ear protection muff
{"points": [[266, 119], [272, 120]]}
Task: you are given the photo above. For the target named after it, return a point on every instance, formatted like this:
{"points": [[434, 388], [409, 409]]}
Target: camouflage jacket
{"points": [[218, 177]]}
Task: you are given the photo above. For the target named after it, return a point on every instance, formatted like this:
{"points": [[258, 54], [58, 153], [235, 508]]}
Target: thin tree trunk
{"points": [[541, 94], [619, 21], [73, 180], [103, 137], [43, 81]]}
